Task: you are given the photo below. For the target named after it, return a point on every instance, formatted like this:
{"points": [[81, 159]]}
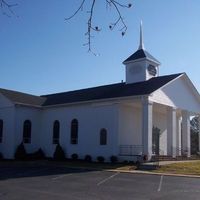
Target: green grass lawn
{"points": [[188, 168]]}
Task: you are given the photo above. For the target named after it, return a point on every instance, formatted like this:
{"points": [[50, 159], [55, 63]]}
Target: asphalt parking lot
{"points": [[59, 183]]}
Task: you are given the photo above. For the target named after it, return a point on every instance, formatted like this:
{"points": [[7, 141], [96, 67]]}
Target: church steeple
{"points": [[141, 45], [141, 65]]}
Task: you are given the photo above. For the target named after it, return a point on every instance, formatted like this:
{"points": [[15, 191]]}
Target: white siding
{"points": [[136, 72], [177, 94], [159, 121], [4, 102], [130, 126], [91, 119], [7, 114], [32, 114]]}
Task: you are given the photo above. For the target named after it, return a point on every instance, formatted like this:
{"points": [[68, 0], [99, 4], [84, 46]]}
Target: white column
{"points": [[178, 137], [147, 127], [186, 133], [171, 132]]}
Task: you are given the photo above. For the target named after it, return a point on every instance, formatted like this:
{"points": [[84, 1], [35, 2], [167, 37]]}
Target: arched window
{"points": [[103, 136], [56, 132], [1, 130], [74, 131], [27, 131]]}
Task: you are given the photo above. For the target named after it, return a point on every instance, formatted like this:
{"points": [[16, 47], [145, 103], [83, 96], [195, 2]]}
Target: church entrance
{"points": [[155, 141]]}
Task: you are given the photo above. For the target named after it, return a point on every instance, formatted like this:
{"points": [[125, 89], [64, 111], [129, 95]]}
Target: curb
{"points": [[154, 173]]}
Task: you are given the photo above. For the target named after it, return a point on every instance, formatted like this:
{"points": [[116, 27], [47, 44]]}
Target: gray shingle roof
{"points": [[95, 93], [109, 91], [141, 53], [22, 98]]}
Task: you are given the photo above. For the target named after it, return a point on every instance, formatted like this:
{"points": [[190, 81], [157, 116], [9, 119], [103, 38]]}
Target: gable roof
{"points": [[141, 53], [109, 91], [90, 94], [22, 98]]}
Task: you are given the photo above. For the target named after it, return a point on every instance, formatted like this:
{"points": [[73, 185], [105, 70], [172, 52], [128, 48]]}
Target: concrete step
{"points": [[148, 166], [169, 158], [162, 158]]}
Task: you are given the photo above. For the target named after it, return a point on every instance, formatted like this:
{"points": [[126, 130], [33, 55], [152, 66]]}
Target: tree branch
{"points": [[112, 3], [79, 8], [5, 5], [90, 27], [120, 19]]}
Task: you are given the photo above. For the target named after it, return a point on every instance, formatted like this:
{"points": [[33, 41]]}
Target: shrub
{"points": [[137, 163], [125, 162], [113, 159], [37, 155], [145, 158], [59, 154], [20, 153], [40, 154], [74, 156], [88, 158], [100, 159]]}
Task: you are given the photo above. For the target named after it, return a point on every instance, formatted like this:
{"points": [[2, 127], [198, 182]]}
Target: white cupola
{"points": [[141, 65]]}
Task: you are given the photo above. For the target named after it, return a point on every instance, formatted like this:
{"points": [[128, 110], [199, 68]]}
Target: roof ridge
{"points": [[101, 86], [22, 98], [14, 91], [169, 75], [81, 89], [157, 77], [116, 90], [111, 91]]}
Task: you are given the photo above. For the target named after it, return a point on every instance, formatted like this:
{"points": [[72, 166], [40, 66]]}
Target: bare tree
{"points": [[90, 25], [194, 124], [194, 130], [6, 8]]}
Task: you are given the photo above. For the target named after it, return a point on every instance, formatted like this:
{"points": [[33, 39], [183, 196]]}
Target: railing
{"points": [[136, 150], [130, 150], [181, 152]]}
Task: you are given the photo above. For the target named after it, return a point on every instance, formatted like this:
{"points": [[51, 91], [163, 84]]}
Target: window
{"points": [[1, 130], [56, 132], [74, 131], [27, 131], [103, 136]]}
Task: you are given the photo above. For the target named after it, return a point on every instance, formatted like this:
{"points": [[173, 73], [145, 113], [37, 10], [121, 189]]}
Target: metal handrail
{"points": [[131, 150], [181, 151]]}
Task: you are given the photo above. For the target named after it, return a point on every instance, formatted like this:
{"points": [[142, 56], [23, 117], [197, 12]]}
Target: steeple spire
{"points": [[141, 46]]}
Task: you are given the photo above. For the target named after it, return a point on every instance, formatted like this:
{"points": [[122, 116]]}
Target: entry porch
{"points": [[148, 129]]}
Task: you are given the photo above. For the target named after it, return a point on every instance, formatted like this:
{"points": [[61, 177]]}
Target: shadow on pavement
{"points": [[15, 169]]}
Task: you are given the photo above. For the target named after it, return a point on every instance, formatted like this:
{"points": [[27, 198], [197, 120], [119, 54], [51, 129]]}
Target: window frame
{"points": [[74, 132], [56, 132], [27, 129], [1, 131], [103, 137]]}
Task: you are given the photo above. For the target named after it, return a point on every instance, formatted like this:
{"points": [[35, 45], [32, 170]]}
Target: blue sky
{"points": [[41, 53]]}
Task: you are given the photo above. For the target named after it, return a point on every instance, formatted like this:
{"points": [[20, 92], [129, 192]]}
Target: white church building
{"points": [[146, 115]]}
